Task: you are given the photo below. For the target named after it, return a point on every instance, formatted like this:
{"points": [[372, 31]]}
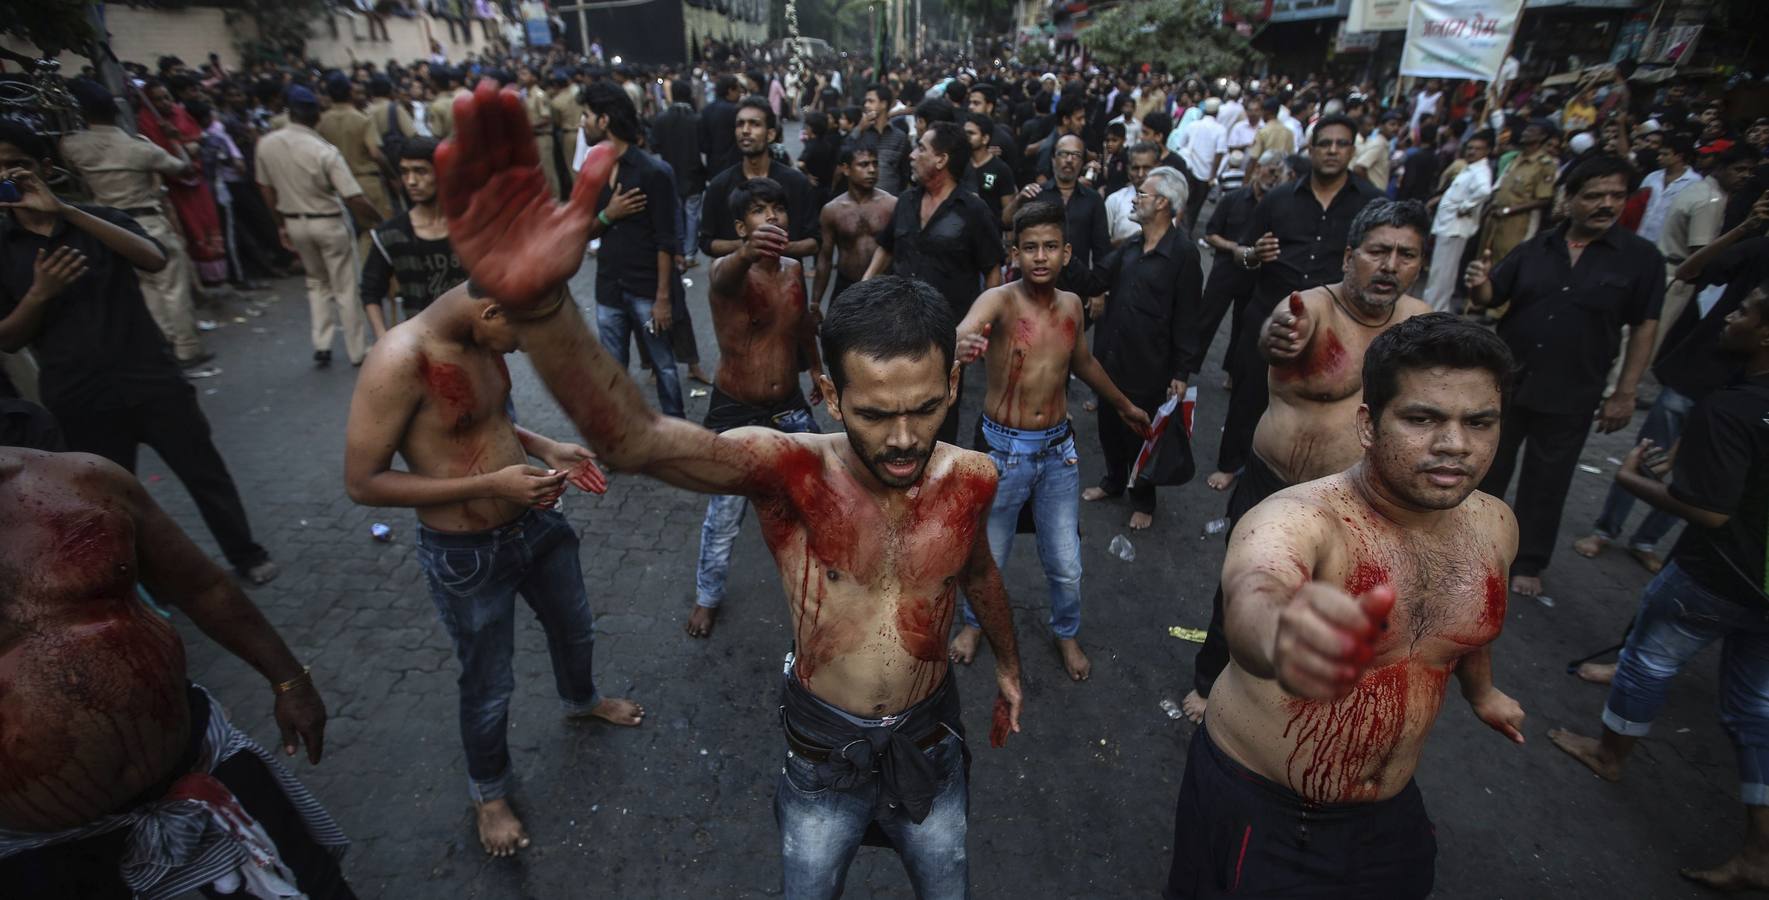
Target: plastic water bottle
{"points": [[381, 532], [1171, 709], [1122, 548]]}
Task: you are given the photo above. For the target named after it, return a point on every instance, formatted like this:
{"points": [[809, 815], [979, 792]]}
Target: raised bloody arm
{"points": [[988, 599], [521, 246]]}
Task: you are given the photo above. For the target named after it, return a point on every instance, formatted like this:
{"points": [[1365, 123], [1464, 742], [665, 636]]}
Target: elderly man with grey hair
{"points": [[1147, 339], [1229, 283]]}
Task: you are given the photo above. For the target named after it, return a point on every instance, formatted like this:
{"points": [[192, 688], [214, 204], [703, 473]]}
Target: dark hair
{"points": [[1072, 103], [1144, 147], [984, 124], [987, 91], [935, 109], [851, 149], [198, 110], [266, 90], [304, 113], [605, 99], [950, 140], [1429, 341], [1039, 212], [1737, 153], [1485, 134], [1681, 143], [167, 62], [26, 140], [380, 86], [1271, 105], [418, 148], [1158, 122], [884, 93], [724, 86], [681, 91], [1600, 166], [851, 113], [1389, 214], [338, 89], [1115, 129], [765, 190], [1340, 119], [817, 123], [754, 101], [887, 318]]}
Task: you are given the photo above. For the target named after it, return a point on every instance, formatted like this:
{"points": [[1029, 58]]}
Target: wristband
{"points": [[602, 216], [543, 312], [306, 677]]}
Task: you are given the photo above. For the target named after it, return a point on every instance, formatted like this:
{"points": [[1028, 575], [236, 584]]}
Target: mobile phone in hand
{"points": [[9, 192]]}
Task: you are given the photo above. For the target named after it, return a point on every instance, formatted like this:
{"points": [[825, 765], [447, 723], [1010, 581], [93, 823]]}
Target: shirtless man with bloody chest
{"points": [[851, 224], [1026, 418], [764, 328], [1315, 347], [435, 390], [1350, 601], [104, 740], [873, 532]]}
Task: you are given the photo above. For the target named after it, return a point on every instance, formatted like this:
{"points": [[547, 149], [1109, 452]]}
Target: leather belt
{"points": [[289, 215], [816, 754]]}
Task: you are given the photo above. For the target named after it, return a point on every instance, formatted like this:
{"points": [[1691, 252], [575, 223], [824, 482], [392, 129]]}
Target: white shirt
{"points": [[1423, 103], [1132, 129], [1230, 113], [1119, 205], [1241, 134], [1458, 213], [1295, 126], [1199, 143], [1652, 223], [421, 117]]}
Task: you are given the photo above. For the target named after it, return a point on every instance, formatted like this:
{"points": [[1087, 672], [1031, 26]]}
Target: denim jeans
{"points": [[1677, 618], [1050, 478], [724, 516], [688, 224], [821, 828], [615, 323], [1663, 425], [474, 578]]}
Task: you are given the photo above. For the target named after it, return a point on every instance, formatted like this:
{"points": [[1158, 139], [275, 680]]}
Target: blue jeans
{"points": [[821, 828], [1663, 425], [724, 516], [474, 578], [1050, 478], [688, 224], [615, 323], [1677, 618]]}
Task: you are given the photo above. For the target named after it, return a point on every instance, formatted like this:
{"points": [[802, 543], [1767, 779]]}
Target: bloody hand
{"points": [[520, 245], [972, 346], [1326, 638], [587, 477], [1291, 327], [1005, 719]]}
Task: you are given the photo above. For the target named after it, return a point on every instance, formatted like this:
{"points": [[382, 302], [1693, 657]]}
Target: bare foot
{"points": [[1648, 559], [1221, 481], [1140, 520], [696, 373], [1194, 706], [500, 832], [1590, 545], [1735, 874], [700, 622], [1586, 750], [964, 646], [1094, 493], [1526, 585], [1073, 659], [617, 710], [1090, 406], [1597, 673]]}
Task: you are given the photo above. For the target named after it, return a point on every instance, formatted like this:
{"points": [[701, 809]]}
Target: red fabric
{"points": [[189, 194], [1635, 209]]}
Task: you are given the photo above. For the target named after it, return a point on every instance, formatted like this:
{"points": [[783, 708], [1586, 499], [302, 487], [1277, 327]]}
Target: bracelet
{"points": [[544, 312], [306, 677], [602, 216]]}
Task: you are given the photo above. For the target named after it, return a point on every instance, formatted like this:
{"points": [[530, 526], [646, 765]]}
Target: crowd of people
{"points": [[1428, 291]]}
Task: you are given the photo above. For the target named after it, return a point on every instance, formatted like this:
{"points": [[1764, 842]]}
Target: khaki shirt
{"points": [[279, 120], [1693, 221], [567, 114], [1529, 179], [308, 174], [1273, 135], [442, 113], [345, 127], [377, 114], [539, 111], [1372, 155], [122, 171]]}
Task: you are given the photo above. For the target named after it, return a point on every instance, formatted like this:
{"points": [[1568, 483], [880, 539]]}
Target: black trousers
{"points": [[1119, 445], [1196, 193], [1551, 443], [1255, 484], [1238, 833], [1228, 286], [1247, 402], [168, 419]]}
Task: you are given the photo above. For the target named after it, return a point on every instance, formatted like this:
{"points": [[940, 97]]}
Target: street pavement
{"points": [[1079, 805]]}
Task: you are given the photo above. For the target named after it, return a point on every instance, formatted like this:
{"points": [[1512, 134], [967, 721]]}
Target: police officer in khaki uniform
{"points": [[302, 176], [351, 131], [442, 109], [567, 116], [124, 173], [1523, 195], [540, 118]]}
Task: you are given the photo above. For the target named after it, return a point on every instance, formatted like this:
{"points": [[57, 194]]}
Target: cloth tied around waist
{"points": [[889, 752]]}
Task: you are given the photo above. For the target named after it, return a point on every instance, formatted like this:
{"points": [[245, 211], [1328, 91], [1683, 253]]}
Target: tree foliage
{"points": [[1178, 35], [51, 27]]}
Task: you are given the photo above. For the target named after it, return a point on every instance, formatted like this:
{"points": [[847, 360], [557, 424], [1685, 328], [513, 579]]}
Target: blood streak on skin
{"points": [[1001, 723], [1492, 615], [1365, 575], [1024, 333], [1324, 356], [450, 385], [1341, 743]]}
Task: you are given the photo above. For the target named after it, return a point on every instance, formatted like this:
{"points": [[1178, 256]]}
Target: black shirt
{"points": [[425, 268], [627, 262], [959, 245], [892, 148], [676, 136], [820, 156], [1689, 360], [993, 181], [1149, 333], [1229, 220], [1084, 227], [1564, 326], [1723, 466], [718, 135], [1311, 240], [719, 222], [98, 347]]}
